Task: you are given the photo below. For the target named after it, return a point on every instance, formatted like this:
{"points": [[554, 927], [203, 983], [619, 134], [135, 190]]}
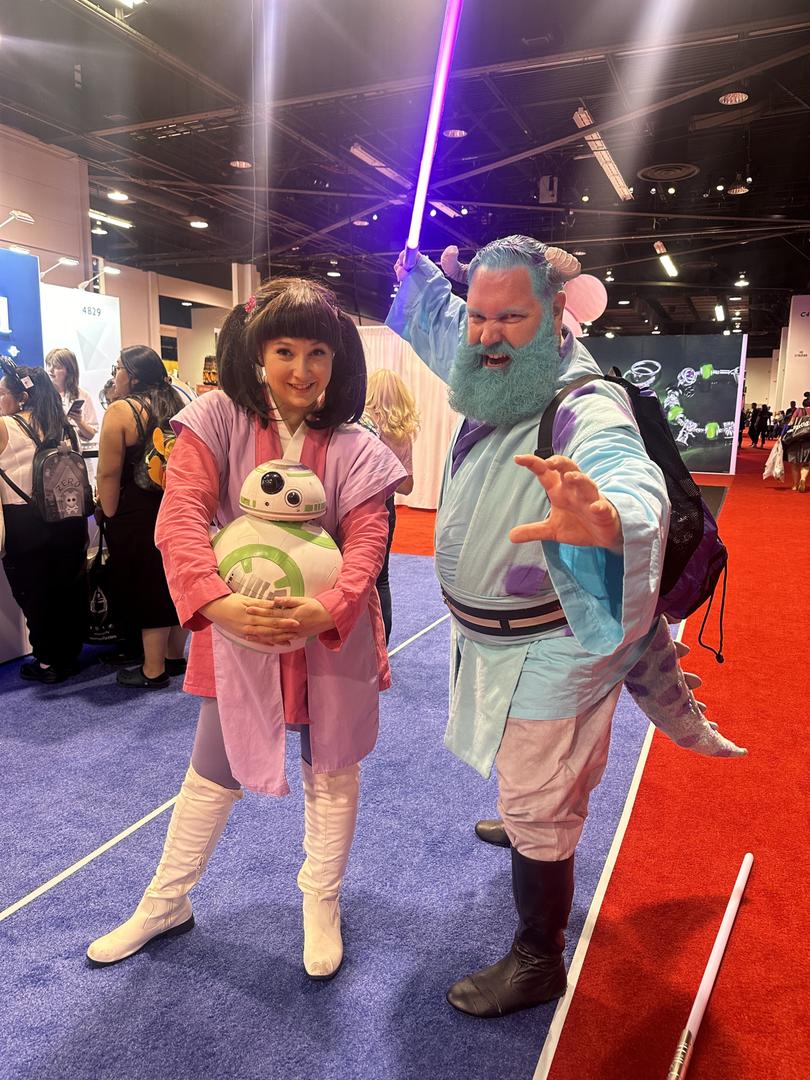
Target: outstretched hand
{"points": [[579, 514]]}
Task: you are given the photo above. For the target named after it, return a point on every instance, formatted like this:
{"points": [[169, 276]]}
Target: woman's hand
{"points": [[579, 514], [311, 615], [261, 621]]}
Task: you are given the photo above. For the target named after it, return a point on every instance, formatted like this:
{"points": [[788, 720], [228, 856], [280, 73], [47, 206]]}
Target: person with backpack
{"points": [[129, 481], [45, 497], [543, 633]]}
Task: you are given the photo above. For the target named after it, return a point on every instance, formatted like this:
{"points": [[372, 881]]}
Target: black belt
{"points": [[517, 622]]}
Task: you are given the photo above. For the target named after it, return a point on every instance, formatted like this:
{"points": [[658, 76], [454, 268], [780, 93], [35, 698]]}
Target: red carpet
{"points": [[693, 820], [414, 531]]}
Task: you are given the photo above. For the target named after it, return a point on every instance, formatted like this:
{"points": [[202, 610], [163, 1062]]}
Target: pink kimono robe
{"points": [[333, 683]]}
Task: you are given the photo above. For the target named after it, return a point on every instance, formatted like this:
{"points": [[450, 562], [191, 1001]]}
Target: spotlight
{"points": [[585, 197], [464, 211], [197, 222], [98, 231], [375, 217], [726, 332], [655, 330], [118, 196], [653, 190], [738, 187], [741, 281], [670, 191], [610, 334], [609, 276], [721, 185], [64, 260], [737, 330], [393, 295], [733, 97], [433, 211], [18, 215]]}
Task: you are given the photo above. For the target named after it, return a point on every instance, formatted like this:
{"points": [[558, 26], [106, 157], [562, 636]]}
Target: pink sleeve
{"points": [[363, 537], [182, 533]]}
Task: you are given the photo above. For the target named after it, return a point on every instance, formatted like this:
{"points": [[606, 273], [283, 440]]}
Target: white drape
{"points": [[385, 349]]}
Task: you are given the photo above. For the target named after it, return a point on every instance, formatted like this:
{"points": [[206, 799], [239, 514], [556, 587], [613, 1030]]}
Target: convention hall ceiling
{"points": [[161, 97]]}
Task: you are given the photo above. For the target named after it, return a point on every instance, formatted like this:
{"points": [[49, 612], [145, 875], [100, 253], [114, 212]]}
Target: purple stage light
{"points": [[447, 43]]}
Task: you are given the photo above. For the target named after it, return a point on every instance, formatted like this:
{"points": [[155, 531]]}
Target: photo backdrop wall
{"points": [[20, 321], [698, 380]]}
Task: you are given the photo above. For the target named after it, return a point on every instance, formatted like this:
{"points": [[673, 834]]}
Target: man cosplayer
{"points": [[549, 618]]}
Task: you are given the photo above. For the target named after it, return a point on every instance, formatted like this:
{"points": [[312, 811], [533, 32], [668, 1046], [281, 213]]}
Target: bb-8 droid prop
{"points": [[277, 548]]}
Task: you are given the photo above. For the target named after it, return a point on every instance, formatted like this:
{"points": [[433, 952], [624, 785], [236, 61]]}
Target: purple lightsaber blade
{"points": [[447, 43]]}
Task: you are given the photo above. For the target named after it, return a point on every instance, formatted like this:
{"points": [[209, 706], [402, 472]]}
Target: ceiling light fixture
{"points": [[624, 303], [665, 259], [433, 211], [609, 276], [197, 222], [585, 197], [454, 133], [733, 97], [359, 151], [670, 191], [333, 273], [726, 332], [653, 190], [118, 196], [108, 219], [579, 252], [739, 187], [719, 313], [596, 144], [112, 270], [610, 334], [63, 260], [737, 330], [98, 231], [360, 222], [735, 298], [186, 303], [375, 217], [18, 215], [741, 281], [241, 163], [464, 211], [655, 330]]}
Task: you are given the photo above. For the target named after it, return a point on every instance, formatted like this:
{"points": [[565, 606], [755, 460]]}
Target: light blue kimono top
{"points": [[608, 599]]}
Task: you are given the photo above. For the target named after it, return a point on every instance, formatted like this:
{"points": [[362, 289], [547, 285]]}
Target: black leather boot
{"points": [[491, 831], [532, 972]]}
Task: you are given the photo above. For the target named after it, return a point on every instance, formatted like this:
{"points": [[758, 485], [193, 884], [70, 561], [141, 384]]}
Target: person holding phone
{"points": [[63, 368]]}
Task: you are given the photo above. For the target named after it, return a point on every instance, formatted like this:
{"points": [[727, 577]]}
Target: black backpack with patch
{"points": [[60, 488]]}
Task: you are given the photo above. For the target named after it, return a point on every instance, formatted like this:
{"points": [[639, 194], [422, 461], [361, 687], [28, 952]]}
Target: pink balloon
{"points": [[585, 297]]}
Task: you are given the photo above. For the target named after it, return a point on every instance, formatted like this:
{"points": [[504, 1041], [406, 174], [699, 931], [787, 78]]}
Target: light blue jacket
{"points": [[608, 600]]}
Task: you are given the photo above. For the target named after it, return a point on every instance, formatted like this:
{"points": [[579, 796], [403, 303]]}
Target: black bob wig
{"points": [[295, 308]]}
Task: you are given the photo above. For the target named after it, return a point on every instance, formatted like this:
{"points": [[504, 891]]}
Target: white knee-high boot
{"points": [[198, 818], [330, 814]]}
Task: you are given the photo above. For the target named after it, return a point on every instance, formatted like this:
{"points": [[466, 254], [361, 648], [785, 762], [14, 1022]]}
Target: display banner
{"points": [[797, 353], [89, 324], [698, 381], [20, 322]]}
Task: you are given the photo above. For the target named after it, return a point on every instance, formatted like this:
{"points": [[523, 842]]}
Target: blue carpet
{"points": [[424, 901]]}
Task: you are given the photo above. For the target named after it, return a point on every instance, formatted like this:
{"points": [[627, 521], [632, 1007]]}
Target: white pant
{"points": [[546, 772]]}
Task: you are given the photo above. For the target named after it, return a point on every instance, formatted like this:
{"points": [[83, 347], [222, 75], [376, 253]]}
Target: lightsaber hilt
{"points": [[680, 1062]]}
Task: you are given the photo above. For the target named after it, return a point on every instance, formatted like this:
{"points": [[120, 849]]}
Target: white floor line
{"points": [[54, 881], [393, 652], [561, 1012], [87, 859]]}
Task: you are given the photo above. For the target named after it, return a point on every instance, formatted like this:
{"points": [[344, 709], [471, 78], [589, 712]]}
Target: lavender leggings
{"points": [[209, 757]]}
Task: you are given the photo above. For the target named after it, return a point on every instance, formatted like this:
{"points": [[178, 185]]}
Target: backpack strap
{"points": [[546, 428], [138, 420], [29, 431], [27, 498]]}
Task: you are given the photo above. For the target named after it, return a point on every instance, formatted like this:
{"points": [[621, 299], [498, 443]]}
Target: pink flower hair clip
{"points": [[250, 306]]}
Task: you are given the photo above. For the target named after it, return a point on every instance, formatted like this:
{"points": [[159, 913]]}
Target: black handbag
{"points": [[797, 432], [101, 625]]}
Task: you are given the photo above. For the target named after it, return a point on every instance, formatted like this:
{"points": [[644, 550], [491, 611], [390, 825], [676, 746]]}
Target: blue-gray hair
{"points": [[511, 252]]}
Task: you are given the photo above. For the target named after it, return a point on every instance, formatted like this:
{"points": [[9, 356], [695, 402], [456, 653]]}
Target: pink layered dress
{"points": [[333, 683]]}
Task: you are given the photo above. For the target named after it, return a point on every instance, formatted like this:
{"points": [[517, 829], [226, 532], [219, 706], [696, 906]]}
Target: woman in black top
{"points": [[44, 561], [144, 400]]}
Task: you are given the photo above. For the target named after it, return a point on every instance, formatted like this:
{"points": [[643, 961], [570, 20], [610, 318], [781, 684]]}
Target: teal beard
{"points": [[502, 398]]}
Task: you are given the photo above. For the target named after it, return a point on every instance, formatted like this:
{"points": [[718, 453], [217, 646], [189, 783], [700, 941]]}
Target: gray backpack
{"points": [[60, 488]]}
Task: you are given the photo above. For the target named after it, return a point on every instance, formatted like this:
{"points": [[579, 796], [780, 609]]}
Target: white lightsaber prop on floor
{"points": [[680, 1063], [447, 43]]}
